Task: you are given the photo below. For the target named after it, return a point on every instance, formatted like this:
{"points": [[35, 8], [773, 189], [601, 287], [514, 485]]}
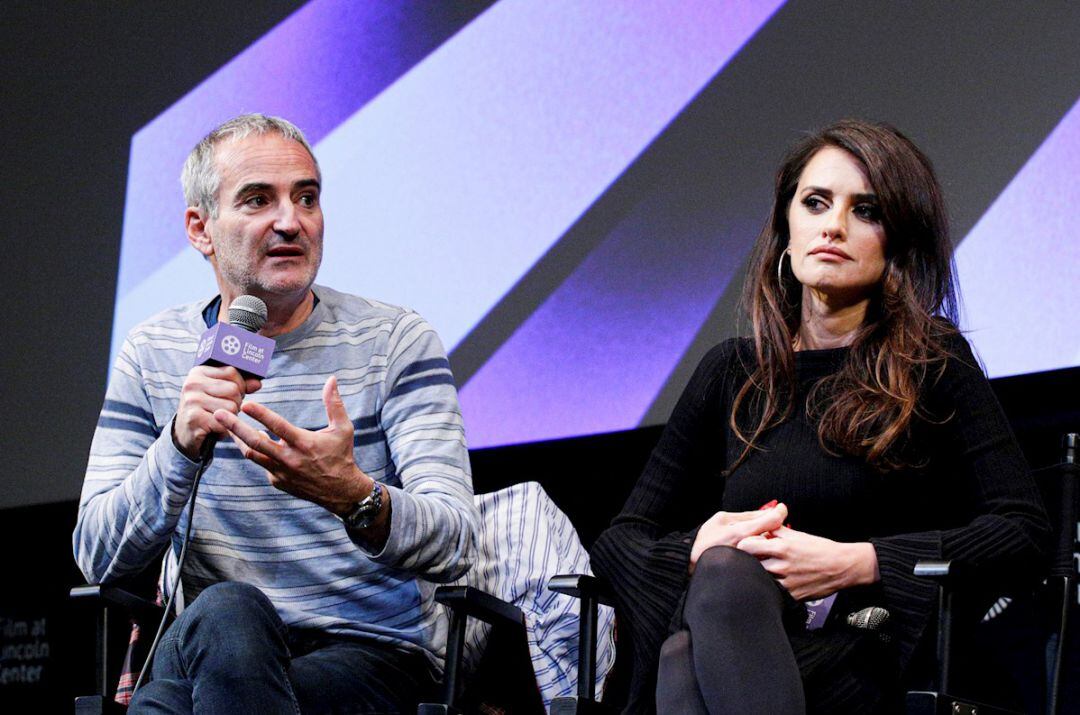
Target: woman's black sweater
{"points": [[973, 501]]}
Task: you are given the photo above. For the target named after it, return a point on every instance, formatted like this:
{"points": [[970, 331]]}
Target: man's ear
{"points": [[195, 220]]}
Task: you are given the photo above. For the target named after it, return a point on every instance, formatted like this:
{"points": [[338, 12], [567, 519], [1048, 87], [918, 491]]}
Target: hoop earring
{"points": [[780, 274]]}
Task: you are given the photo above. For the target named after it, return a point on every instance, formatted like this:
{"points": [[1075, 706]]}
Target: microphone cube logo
{"points": [[817, 610], [230, 344], [205, 345], [226, 344]]}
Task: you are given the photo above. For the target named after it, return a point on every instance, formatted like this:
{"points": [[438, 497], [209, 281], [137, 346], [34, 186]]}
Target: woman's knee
{"points": [[676, 647], [677, 688], [728, 563], [728, 581]]}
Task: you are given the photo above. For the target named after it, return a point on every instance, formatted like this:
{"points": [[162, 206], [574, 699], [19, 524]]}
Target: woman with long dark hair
{"points": [[857, 415]]}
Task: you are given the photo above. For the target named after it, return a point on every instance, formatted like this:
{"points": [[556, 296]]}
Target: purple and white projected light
{"points": [[328, 60], [450, 167], [447, 188], [464, 146], [1019, 267]]}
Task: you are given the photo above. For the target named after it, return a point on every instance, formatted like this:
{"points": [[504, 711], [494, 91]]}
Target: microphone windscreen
{"points": [[869, 619], [248, 312]]}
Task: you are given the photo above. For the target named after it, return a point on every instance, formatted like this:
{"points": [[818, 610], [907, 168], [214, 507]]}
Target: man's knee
{"points": [[228, 628], [230, 607], [162, 696], [231, 594]]}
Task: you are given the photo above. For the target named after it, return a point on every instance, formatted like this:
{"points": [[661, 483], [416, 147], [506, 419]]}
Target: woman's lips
{"points": [[830, 253]]}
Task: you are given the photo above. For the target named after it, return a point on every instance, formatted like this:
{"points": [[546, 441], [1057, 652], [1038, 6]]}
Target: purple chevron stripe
{"points": [[317, 68], [1018, 266], [594, 355]]}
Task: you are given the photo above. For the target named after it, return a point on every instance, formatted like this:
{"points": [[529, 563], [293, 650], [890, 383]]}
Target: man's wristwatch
{"points": [[366, 510]]}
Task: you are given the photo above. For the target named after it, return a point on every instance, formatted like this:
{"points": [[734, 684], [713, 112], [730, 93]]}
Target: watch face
{"points": [[366, 510]]}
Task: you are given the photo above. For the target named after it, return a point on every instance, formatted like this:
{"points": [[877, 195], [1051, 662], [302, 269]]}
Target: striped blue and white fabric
{"points": [[525, 540], [397, 387]]}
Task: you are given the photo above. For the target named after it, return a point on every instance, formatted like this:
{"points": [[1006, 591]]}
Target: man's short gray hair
{"points": [[200, 177]]}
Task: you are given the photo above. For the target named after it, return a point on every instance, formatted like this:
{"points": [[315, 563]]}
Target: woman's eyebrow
{"points": [[828, 193]]}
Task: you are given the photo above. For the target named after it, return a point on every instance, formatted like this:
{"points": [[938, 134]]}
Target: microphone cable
{"points": [[249, 313], [205, 457]]}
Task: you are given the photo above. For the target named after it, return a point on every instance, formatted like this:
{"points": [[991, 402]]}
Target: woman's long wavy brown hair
{"points": [[867, 408]]}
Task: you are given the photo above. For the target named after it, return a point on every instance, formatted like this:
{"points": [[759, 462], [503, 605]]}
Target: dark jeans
{"points": [[229, 652]]}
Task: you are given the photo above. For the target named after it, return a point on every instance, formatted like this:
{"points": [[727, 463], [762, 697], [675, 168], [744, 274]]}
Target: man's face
{"points": [[267, 237]]}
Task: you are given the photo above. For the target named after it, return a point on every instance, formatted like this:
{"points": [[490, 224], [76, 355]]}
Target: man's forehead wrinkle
{"points": [[253, 186], [253, 159], [266, 175]]}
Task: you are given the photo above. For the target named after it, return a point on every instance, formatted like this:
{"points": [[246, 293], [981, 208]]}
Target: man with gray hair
{"points": [[339, 494]]}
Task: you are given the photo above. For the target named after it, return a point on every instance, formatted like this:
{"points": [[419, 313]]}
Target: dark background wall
{"points": [[78, 80]]}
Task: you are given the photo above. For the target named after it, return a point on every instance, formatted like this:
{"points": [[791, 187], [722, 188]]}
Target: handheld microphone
{"points": [[872, 618], [236, 344]]}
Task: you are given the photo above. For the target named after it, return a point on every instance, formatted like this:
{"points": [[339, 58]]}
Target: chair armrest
{"points": [[583, 586], [479, 604], [944, 573], [467, 602], [592, 591], [97, 595], [103, 600], [935, 569]]}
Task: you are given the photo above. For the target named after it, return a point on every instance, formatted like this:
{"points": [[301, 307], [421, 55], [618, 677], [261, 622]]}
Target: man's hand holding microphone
{"points": [[316, 465], [207, 389]]}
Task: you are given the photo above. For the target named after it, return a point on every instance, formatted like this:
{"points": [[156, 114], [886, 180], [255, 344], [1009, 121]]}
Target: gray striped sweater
{"points": [[396, 384]]}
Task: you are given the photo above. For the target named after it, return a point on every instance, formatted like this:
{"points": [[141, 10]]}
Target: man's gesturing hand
{"points": [[317, 466], [207, 390]]}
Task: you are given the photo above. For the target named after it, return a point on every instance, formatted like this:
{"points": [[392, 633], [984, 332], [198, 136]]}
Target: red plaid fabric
{"points": [[133, 660]]}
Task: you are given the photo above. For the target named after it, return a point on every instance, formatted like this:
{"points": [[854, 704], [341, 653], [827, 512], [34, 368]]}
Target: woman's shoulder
{"points": [[729, 353], [957, 363], [950, 345], [720, 367], [730, 346]]}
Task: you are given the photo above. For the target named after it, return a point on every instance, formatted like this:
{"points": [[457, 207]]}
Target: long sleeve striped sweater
{"points": [[396, 383]]}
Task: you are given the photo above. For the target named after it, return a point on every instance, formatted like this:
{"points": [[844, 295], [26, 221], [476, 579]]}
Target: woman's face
{"points": [[837, 241]]}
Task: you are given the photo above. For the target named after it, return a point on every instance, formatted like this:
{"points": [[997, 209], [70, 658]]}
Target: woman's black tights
{"points": [[732, 654]]}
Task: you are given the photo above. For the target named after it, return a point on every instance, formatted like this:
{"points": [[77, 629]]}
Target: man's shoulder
{"points": [[348, 308], [177, 321], [399, 331]]}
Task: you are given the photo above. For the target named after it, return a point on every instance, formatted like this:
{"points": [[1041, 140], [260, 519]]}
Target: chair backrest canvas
{"points": [[525, 540]]}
